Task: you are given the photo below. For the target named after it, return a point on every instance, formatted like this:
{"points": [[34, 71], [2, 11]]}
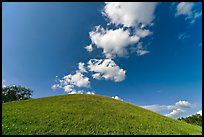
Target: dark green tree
{"points": [[15, 93], [193, 119]]}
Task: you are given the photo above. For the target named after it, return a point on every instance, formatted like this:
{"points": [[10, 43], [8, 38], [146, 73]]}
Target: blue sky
{"points": [[160, 65]]}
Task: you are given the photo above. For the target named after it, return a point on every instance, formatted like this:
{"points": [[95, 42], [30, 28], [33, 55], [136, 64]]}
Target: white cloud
{"points": [[76, 92], [183, 104], [183, 36], [116, 97], [143, 32], [55, 86], [186, 9], [130, 14], [176, 110], [77, 79], [158, 108], [81, 92], [106, 69], [96, 76], [175, 113], [81, 67], [140, 50], [197, 14], [90, 93], [74, 80], [89, 48], [68, 88], [71, 81], [3, 84], [199, 112], [73, 92], [116, 42], [113, 42]]}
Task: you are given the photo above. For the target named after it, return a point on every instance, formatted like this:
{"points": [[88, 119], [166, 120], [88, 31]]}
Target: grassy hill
{"points": [[86, 114]]}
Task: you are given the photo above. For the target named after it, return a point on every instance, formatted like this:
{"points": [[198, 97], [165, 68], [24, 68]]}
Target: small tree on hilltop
{"points": [[14, 93]]}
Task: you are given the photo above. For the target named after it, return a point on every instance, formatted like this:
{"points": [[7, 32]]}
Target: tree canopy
{"points": [[194, 119], [15, 93]]}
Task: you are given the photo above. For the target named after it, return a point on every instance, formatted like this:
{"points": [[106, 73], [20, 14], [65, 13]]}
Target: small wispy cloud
{"points": [[140, 50], [186, 9], [200, 45], [182, 36], [89, 48]]}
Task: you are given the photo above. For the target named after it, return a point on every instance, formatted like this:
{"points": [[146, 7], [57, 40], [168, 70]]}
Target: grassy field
{"points": [[86, 114]]}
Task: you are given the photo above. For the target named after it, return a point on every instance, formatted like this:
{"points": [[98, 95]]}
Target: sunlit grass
{"points": [[86, 114]]}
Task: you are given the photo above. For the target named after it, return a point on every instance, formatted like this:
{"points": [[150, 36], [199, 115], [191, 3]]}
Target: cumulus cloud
{"points": [[135, 19], [106, 69], [71, 81], [77, 79], [96, 76], [183, 36], [143, 32], [175, 113], [176, 110], [199, 112], [185, 104], [68, 88], [137, 16], [130, 14], [81, 67], [113, 42], [116, 97], [186, 9], [89, 48], [74, 83]]}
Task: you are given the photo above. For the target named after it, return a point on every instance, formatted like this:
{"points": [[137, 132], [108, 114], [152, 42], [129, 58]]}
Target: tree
{"points": [[193, 119], [15, 93]]}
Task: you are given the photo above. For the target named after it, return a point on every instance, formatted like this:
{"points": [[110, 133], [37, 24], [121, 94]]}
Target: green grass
{"points": [[86, 114]]}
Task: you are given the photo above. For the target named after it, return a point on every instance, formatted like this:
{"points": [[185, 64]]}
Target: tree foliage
{"points": [[15, 93], [194, 119]]}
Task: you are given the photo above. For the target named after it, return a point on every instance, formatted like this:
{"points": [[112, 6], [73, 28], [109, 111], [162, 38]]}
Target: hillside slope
{"points": [[86, 114]]}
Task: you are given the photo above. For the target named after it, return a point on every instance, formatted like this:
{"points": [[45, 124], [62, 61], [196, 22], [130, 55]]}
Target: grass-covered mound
{"points": [[86, 114]]}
